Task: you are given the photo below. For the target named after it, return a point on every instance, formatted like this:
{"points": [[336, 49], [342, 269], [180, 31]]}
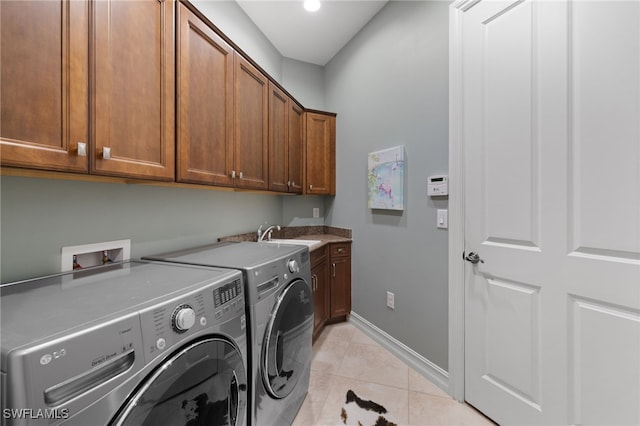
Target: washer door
{"points": [[287, 345], [204, 383]]}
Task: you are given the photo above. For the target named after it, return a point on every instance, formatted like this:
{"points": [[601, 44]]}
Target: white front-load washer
{"points": [[280, 310], [134, 343]]}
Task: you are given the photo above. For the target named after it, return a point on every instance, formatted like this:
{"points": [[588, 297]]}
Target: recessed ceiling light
{"points": [[312, 5]]}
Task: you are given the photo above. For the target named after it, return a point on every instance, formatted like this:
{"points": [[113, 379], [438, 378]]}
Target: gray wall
{"points": [[305, 82], [389, 86], [40, 216], [298, 210]]}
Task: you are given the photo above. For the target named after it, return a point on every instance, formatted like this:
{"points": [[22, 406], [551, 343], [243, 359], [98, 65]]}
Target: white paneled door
{"points": [[551, 134]]}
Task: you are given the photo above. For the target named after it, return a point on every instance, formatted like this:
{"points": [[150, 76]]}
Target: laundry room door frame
{"points": [[456, 202]]}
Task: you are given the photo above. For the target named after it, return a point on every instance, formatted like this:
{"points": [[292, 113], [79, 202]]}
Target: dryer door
{"points": [[203, 383], [287, 346]]}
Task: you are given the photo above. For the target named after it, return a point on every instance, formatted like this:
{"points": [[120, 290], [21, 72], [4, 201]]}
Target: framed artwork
{"points": [[386, 179]]}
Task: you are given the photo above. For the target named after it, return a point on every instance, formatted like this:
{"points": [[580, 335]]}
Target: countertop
{"points": [[323, 239], [323, 234]]}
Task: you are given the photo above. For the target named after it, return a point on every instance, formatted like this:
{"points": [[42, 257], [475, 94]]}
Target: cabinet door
{"points": [[44, 84], [320, 154], [278, 139], [340, 286], [251, 125], [320, 283], [134, 88], [205, 103], [296, 140]]}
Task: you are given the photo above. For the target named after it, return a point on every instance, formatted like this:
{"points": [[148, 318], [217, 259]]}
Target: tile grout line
{"points": [[408, 396]]}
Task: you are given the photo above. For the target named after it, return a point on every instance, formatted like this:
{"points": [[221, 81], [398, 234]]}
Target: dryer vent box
{"points": [[437, 185], [88, 255]]}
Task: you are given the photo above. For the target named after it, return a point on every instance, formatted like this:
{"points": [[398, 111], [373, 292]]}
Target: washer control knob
{"points": [[184, 317], [161, 343], [293, 266]]}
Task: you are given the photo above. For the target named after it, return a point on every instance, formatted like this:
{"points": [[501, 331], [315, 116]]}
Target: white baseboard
{"points": [[428, 369]]}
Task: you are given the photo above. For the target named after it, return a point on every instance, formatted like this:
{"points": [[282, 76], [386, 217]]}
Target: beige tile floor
{"points": [[345, 358]]}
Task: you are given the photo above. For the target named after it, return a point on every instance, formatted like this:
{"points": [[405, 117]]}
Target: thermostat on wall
{"points": [[437, 185]]}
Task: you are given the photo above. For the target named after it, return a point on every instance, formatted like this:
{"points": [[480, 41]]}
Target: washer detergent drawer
{"points": [[55, 381]]}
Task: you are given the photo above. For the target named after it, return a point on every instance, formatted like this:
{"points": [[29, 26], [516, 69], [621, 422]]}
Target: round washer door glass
{"points": [[287, 348], [204, 383]]}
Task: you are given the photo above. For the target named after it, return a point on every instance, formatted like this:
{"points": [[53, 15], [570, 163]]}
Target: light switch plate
{"points": [[443, 219]]}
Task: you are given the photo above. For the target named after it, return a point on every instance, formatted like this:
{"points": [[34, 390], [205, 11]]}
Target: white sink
{"points": [[308, 243]]}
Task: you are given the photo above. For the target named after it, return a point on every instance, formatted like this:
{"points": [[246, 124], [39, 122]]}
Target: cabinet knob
{"points": [[106, 153], [289, 183], [333, 265], [82, 149], [340, 250], [311, 187], [233, 174], [240, 175]]}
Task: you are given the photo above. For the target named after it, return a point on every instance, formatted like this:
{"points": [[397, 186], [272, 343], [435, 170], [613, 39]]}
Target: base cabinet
{"points": [[320, 287], [331, 284], [340, 282]]}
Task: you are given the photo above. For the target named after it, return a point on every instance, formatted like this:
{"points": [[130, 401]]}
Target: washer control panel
{"points": [[293, 267], [167, 324], [183, 318]]}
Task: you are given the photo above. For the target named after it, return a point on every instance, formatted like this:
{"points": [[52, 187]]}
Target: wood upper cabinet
{"points": [[99, 87], [205, 103], [278, 139], [286, 127], [44, 84], [133, 108], [297, 128], [251, 126], [320, 154]]}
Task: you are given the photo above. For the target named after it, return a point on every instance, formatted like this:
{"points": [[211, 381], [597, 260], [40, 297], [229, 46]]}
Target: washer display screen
{"points": [[225, 293]]}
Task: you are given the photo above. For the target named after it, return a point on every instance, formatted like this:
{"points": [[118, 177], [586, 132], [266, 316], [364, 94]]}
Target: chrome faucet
{"points": [[267, 232]]}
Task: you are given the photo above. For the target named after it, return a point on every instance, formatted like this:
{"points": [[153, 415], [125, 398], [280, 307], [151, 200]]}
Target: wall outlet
{"points": [[316, 212], [391, 303]]}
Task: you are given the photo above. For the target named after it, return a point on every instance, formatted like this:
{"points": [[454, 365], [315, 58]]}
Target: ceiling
{"points": [[313, 37]]}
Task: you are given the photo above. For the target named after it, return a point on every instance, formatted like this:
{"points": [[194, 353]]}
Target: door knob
{"points": [[474, 258]]}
